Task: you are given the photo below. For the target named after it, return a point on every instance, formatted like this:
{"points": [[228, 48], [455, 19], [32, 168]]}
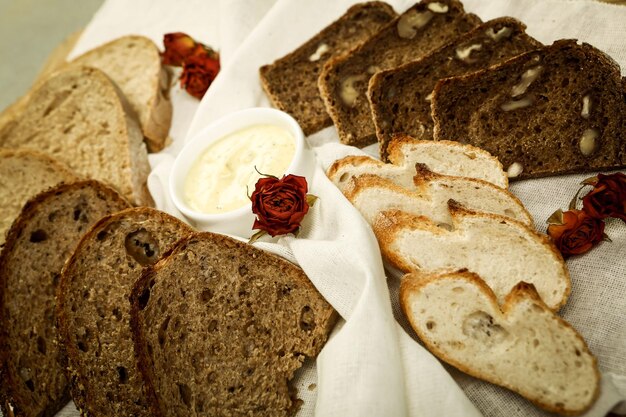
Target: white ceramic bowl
{"points": [[239, 221]]}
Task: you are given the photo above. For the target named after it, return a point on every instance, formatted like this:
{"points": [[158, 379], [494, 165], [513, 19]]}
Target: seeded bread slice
{"points": [[343, 82], [522, 346], [442, 157], [556, 110], [220, 327], [291, 81], [79, 117], [501, 250], [38, 244], [24, 174], [134, 64], [93, 312], [400, 97], [371, 195]]}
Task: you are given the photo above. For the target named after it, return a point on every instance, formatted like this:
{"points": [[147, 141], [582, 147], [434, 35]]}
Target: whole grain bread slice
{"points": [[556, 110], [79, 117], [93, 311], [522, 345], [400, 97], [343, 82], [220, 327], [38, 244], [501, 250], [442, 157], [23, 174], [291, 81], [371, 194], [134, 64]]}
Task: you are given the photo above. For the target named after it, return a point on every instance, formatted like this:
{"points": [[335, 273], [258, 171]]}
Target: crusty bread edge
{"points": [[415, 281], [75, 377], [353, 160], [8, 397]]}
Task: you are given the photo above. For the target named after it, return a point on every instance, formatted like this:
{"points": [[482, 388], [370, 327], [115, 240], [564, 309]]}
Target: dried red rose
{"points": [[199, 71], [575, 232], [608, 197], [178, 46], [280, 204]]}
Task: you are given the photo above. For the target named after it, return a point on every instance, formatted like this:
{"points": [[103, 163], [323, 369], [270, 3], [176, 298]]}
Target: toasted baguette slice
{"points": [[291, 81], [24, 174], [343, 82], [220, 327], [79, 117], [522, 346], [442, 157], [134, 64], [556, 110], [501, 250], [93, 312], [371, 194], [400, 97], [38, 244]]}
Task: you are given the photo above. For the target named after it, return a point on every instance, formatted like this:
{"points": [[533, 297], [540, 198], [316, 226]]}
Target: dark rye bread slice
{"points": [[559, 109], [220, 327], [40, 240], [93, 311], [291, 81], [343, 82], [400, 97]]}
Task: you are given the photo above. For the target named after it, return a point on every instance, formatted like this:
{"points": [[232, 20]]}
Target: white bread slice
{"points": [[501, 250], [371, 194], [79, 117], [23, 174], [442, 157], [523, 346], [134, 64]]}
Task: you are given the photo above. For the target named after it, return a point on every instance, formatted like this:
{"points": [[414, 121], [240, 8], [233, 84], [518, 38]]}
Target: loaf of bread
{"points": [[501, 250], [372, 194], [134, 64], [24, 174], [220, 327], [291, 81], [343, 82], [442, 157], [522, 345], [400, 97], [38, 244], [556, 110], [79, 117], [93, 311]]}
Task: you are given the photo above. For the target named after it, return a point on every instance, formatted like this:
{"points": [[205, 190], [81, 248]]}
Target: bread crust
{"points": [[414, 282], [10, 398]]}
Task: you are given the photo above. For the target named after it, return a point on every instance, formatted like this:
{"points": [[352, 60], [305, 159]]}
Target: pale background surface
{"points": [[29, 31]]}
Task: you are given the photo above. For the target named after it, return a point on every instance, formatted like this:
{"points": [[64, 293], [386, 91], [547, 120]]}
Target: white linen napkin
{"points": [[372, 366]]}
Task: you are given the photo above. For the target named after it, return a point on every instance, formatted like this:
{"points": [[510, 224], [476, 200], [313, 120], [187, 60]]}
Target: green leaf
{"points": [[256, 236], [311, 199], [606, 238], [556, 218]]}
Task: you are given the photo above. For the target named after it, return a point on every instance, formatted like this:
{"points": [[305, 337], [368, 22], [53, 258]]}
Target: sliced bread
{"points": [[442, 157], [501, 250], [291, 81], [93, 312], [38, 244], [371, 194], [400, 97], [343, 82], [79, 117], [559, 109], [220, 327], [522, 345], [23, 174], [134, 64]]}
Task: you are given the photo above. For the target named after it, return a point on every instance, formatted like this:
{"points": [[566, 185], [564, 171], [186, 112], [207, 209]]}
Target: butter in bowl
{"points": [[218, 168]]}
